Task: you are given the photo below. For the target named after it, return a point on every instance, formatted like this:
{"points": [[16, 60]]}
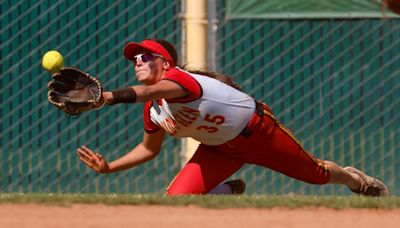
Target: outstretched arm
{"points": [[142, 93], [145, 151]]}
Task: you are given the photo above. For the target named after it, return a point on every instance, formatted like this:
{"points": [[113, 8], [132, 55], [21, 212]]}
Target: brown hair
{"points": [[220, 77]]}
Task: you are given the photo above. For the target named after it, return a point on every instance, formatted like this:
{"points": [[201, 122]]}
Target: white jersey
{"points": [[212, 114]]}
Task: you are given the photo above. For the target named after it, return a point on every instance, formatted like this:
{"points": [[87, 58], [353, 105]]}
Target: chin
{"points": [[142, 78], [145, 81]]}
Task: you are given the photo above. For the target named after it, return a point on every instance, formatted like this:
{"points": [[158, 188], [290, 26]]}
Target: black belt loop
{"points": [[246, 132], [259, 108]]}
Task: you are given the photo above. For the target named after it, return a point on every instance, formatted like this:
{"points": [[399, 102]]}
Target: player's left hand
{"points": [[94, 160]]}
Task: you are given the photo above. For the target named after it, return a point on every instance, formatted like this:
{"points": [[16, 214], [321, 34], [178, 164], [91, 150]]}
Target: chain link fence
{"points": [[334, 83]]}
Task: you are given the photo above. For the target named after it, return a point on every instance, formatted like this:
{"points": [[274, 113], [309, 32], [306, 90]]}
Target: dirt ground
{"points": [[99, 216]]}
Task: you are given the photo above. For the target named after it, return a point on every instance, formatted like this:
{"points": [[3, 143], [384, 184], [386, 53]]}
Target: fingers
{"points": [[86, 154], [94, 160], [87, 150], [86, 162]]}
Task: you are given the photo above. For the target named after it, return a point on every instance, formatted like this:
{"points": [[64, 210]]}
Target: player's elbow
{"points": [[154, 154], [152, 151]]}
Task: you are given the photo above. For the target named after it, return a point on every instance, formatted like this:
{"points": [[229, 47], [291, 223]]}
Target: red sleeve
{"points": [[149, 126], [187, 82]]}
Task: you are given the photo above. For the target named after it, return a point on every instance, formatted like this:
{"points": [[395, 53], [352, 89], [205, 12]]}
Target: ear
{"points": [[166, 65]]}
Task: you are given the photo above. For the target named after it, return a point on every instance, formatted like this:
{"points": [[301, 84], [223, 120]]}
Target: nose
{"points": [[137, 62]]}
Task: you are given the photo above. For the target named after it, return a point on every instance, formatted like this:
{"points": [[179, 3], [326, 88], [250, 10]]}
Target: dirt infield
{"points": [[98, 216]]}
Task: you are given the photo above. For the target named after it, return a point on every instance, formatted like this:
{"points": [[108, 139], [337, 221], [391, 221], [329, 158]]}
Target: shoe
{"points": [[237, 186], [370, 186]]}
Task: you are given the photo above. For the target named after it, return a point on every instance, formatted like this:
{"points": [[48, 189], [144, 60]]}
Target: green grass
{"points": [[207, 201]]}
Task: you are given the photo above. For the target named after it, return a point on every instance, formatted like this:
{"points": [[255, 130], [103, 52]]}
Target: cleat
{"points": [[369, 186], [237, 186]]}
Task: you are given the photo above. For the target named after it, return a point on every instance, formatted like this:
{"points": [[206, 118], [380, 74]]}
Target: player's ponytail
{"points": [[221, 77]]}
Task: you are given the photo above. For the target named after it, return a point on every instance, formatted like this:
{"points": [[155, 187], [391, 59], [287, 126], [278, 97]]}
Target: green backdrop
{"points": [[334, 82], [38, 142]]}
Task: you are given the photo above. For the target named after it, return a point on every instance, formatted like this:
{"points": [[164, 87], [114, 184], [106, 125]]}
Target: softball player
{"points": [[232, 127]]}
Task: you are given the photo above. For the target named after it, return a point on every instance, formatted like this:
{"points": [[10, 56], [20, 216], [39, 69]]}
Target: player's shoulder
{"points": [[187, 82]]}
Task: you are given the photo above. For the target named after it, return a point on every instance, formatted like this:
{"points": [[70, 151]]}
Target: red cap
{"points": [[131, 49]]}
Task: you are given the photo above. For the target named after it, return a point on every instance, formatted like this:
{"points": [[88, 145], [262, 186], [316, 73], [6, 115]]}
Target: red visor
{"points": [[132, 49]]}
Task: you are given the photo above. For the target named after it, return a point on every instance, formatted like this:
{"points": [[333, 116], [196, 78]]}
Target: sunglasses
{"points": [[146, 57]]}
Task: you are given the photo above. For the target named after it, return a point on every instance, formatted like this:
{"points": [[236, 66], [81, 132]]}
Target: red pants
{"points": [[270, 145]]}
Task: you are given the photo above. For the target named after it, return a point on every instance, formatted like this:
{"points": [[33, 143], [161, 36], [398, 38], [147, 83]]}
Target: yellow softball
{"points": [[52, 61]]}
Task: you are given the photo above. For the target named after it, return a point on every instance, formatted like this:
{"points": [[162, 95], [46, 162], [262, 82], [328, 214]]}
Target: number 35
{"points": [[216, 120]]}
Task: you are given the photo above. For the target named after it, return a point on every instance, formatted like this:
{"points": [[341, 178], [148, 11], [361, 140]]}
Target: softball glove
{"points": [[74, 91]]}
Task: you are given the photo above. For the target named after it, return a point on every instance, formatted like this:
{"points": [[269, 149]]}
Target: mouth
{"points": [[139, 71]]}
